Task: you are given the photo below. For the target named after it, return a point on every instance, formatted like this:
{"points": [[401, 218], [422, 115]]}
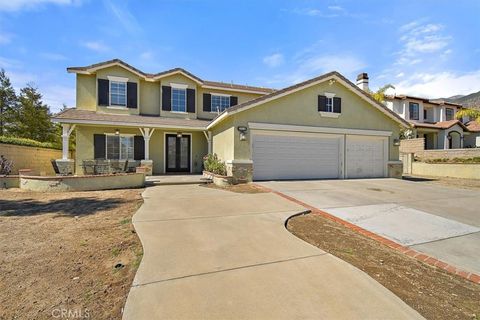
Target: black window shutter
{"points": [[103, 89], [191, 100], [138, 148], [322, 103], [337, 105], [233, 101], [166, 98], [207, 102], [131, 95], [99, 146]]}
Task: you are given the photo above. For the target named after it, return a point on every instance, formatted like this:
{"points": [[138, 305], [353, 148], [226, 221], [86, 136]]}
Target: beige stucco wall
{"points": [[300, 108], [157, 146], [150, 98], [86, 92], [37, 159], [464, 171], [222, 140]]}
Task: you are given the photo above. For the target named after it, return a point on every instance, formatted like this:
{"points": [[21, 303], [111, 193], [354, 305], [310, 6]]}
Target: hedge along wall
{"points": [[37, 159]]}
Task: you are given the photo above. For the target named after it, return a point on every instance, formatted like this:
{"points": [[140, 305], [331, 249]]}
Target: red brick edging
{"points": [[389, 243]]}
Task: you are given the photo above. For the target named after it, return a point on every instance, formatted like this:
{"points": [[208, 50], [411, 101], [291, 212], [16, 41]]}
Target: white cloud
{"points": [[146, 55], [5, 38], [274, 60], [437, 85], [17, 5], [53, 56], [419, 40], [56, 95], [123, 16], [336, 8], [97, 46]]}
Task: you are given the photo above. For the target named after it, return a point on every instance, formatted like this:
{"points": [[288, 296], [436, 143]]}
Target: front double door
{"points": [[178, 153]]}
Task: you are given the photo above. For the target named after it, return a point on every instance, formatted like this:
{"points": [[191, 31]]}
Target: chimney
{"points": [[362, 81]]}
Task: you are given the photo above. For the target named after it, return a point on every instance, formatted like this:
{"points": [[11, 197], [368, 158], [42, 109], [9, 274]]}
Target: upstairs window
{"points": [[414, 110], [449, 114], [220, 103], [119, 147], [329, 104], [179, 100], [118, 93]]}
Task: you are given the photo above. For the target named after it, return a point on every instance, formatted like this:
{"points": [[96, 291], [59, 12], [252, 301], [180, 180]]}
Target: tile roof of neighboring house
{"points": [[473, 126], [96, 66], [286, 90], [427, 100], [439, 125], [73, 115]]}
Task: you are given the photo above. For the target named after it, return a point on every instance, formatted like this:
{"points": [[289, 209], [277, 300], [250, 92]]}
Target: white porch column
{"points": [[146, 162], [208, 136], [66, 131]]}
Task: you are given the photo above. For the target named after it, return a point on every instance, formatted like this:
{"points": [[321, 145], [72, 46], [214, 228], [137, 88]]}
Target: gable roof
{"points": [[473, 126], [334, 75], [156, 76]]}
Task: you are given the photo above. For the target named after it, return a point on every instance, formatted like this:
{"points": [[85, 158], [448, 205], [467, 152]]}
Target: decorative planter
{"points": [[219, 180]]}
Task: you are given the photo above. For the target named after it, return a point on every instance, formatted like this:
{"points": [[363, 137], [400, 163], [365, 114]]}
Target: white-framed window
{"points": [[329, 104], [449, 114], [220, 103], [118, 93], [119, 147], [414, 110], [179, 99]]}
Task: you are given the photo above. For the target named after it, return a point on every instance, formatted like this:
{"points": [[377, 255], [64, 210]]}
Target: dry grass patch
{"points": [[433, 292], [239, 188], [67, 251]]}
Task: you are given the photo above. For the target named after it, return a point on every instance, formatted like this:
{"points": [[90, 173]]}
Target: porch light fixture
{"points": [[179, 134], [243, 132], [396, 142], [117, 132]]}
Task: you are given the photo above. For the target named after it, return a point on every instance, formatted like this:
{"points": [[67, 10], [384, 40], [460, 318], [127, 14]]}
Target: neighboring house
{"points": [[432, 119], [325, 127]]}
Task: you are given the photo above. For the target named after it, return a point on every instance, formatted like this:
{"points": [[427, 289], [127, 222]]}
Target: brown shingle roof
{"points": [[91, 117], [306, 83], [160, 74], [473, 126], [439, 125]]}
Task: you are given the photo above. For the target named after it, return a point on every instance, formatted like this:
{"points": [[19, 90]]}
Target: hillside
{"points": [[470, 100]]}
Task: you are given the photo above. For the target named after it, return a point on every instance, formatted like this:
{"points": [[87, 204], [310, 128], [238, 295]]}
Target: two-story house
{"points": [[325, 127], [432, 119]]}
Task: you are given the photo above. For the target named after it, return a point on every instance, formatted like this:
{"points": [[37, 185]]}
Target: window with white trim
{"points": [[329, 104], [119, 147], [220, 103], [118, 93], [179, 100]]}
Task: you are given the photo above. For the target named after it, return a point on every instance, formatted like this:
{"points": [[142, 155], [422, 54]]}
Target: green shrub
{"points": [[29, 143], [212, 164]]}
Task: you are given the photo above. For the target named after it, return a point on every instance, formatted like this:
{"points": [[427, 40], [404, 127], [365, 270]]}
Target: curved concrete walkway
{"points": [[212, 254]]}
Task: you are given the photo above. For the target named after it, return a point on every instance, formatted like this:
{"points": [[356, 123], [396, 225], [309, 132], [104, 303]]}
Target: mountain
{"points": [[470, 100]]}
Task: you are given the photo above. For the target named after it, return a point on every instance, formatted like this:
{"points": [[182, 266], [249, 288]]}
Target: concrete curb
{"points": [[389, 243]]}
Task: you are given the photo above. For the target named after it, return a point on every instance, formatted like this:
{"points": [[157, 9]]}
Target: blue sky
{"points": [[429, 48]]}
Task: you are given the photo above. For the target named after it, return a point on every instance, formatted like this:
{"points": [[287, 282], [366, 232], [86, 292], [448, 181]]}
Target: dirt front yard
{"points": [[434, 293], [67, 255]]}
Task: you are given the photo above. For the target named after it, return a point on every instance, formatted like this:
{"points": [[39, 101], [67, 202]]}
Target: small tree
{"points": [[469, 113], [8, 99], [379, 95]]}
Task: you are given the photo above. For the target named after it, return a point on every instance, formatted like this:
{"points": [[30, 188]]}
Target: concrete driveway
{"points": [[211, 254], [443, 222]]}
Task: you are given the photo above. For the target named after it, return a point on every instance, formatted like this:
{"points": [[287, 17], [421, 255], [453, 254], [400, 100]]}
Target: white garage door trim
{"points": [[270, 128], [333, 140]]}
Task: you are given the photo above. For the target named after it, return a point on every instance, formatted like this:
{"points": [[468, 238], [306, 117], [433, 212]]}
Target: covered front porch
{"points": [[438, 136], [100, 149]]}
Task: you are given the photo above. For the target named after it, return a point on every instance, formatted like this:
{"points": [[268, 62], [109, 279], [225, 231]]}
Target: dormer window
{"points": [[220, 103]]}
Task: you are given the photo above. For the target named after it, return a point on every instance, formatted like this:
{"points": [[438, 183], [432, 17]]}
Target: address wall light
{"points": [[117, 132], [179, 134], [243, 132], [396, 142]]}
